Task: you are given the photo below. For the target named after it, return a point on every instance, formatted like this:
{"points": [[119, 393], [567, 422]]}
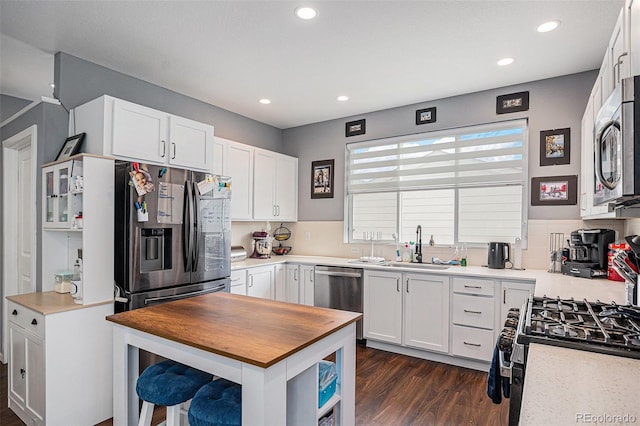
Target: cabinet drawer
{"points": [[239, 282], [26, 318], [475, 311], [472, 343], [473, 286]]}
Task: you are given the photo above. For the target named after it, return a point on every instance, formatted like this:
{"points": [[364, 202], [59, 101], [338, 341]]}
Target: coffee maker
{"points": [[588, 250]]}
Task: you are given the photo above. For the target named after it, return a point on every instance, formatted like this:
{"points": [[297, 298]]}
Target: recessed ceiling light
{"points": [[505, 61], [548, 26], [306, 12], [265, 101], [342, 98]]}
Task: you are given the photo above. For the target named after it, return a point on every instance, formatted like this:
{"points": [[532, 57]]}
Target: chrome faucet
{"points": [[418, 254]]}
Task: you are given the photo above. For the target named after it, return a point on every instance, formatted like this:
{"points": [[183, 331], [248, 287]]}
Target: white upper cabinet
{"points": [[275, 195], [137, 133], [632, 26], [238, 164]]}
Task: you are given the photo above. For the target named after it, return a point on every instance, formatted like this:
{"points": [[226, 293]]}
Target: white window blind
{"points": [[462, 185]]}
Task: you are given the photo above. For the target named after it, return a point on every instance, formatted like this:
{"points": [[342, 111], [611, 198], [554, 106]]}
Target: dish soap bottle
{"points": [[406, 255]]}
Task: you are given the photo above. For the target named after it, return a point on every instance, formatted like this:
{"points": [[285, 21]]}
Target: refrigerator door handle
{"points": [[186, 227], [197, 218], [149, 300]]}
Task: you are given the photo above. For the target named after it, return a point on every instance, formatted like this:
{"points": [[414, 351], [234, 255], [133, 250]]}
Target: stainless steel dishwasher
{"points": [[339, 288]]}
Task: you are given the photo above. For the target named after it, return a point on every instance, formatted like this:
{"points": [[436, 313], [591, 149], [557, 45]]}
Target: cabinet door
{"points": [[287, 188], [219, 156], [26, 371], [261, 282], [264, 177], [292, 288], [139, 132], [58, 205], [306, 286], [632, 29], [383, 306], [281, 283], [514, 295], [426, 324], [239, 282], [191, 144], [586, 169], [617, 49], [239, 166]]}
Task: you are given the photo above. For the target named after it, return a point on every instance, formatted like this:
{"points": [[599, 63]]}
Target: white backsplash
{"points": [[326, 239]]}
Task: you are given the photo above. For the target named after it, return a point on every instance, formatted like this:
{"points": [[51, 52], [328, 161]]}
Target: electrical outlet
{"points": [[307, 235], [355, 250]]}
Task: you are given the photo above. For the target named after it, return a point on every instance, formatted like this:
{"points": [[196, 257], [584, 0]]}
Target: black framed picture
{"points": [[555, 147], [513, 102], [322, 179], [554, 191], [353, 128], [426, 115], [71, 146]]}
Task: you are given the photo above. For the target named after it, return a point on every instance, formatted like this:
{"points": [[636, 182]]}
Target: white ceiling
{"points": [[381, 54]]}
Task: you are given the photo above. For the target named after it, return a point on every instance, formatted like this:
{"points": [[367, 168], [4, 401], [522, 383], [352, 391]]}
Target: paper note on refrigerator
{"points": [[170, 203]]}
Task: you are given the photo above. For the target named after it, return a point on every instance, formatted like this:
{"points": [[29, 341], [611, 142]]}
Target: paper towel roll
{"points": [[517, 254]]}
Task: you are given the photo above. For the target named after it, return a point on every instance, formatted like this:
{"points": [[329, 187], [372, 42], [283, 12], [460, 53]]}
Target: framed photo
{"points": [[514, 102], [554, 191], [71, 146], [555, 147], [353, 128], [322, 179], [427, 115]]}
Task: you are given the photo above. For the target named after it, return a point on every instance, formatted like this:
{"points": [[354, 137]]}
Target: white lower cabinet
{"points": [[426, 312], [514, 295], [306, 285], [407, 309], [473, 318], [261, 282], [239, 282], [383, 306], [55, 376]]}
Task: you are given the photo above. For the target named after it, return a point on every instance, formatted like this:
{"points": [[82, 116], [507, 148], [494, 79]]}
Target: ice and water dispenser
{"points": [[155, 249]]}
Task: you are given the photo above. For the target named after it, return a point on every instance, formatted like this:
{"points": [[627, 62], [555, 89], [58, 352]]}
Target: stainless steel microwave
{"points": [[617, 146]]}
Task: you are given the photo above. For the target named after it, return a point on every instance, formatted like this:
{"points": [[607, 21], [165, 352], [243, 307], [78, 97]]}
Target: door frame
{"points": [[10, 148]]}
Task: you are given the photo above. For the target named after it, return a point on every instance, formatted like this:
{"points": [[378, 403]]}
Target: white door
{"points": [[25, 221], [383, 306], [238, 164], [19, 216], [264, 178], [286, 188]]}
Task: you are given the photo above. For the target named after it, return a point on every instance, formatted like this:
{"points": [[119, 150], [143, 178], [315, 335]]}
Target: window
{"points": [[463, 185]]}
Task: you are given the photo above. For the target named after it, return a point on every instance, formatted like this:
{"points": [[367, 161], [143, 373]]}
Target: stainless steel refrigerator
{"points": [[172, 234]]}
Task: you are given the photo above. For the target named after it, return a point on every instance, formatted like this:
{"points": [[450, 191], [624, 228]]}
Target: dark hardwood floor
{"points": [[391, 389]]}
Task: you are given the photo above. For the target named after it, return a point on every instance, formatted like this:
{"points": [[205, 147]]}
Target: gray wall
{"points": [[554, 103], [52, 121], [9, 105], [78, 81]]}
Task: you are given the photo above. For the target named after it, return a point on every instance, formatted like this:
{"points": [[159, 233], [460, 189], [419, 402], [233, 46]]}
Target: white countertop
{"points": [[552, 285], [566, 386]]}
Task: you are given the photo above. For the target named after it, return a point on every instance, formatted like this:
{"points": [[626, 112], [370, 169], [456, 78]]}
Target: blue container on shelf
{"points": [[327, 379]]}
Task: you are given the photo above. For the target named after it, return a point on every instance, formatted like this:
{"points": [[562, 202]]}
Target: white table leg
{"points": [[125, 375], [346, 366], [264, 395]]}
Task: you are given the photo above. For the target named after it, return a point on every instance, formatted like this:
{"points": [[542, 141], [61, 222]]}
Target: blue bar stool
{"points": [[168, 383], [218, 403]]}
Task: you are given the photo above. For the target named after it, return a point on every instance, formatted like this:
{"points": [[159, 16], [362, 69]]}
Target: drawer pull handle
{"points": [[473, 312], [472, 344], [34, 322], [472, 286], [23, 372], [15, 312]]}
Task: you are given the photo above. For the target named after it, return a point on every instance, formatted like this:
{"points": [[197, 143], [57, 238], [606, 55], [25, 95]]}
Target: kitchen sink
{"points": [[418, 265]]}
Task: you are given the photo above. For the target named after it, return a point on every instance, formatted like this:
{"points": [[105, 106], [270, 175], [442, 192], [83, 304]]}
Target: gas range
{"points": [[592, 326], [606, 328]]}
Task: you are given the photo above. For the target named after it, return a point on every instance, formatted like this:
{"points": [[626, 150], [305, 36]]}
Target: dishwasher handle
{"points": [[339, 274]]}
